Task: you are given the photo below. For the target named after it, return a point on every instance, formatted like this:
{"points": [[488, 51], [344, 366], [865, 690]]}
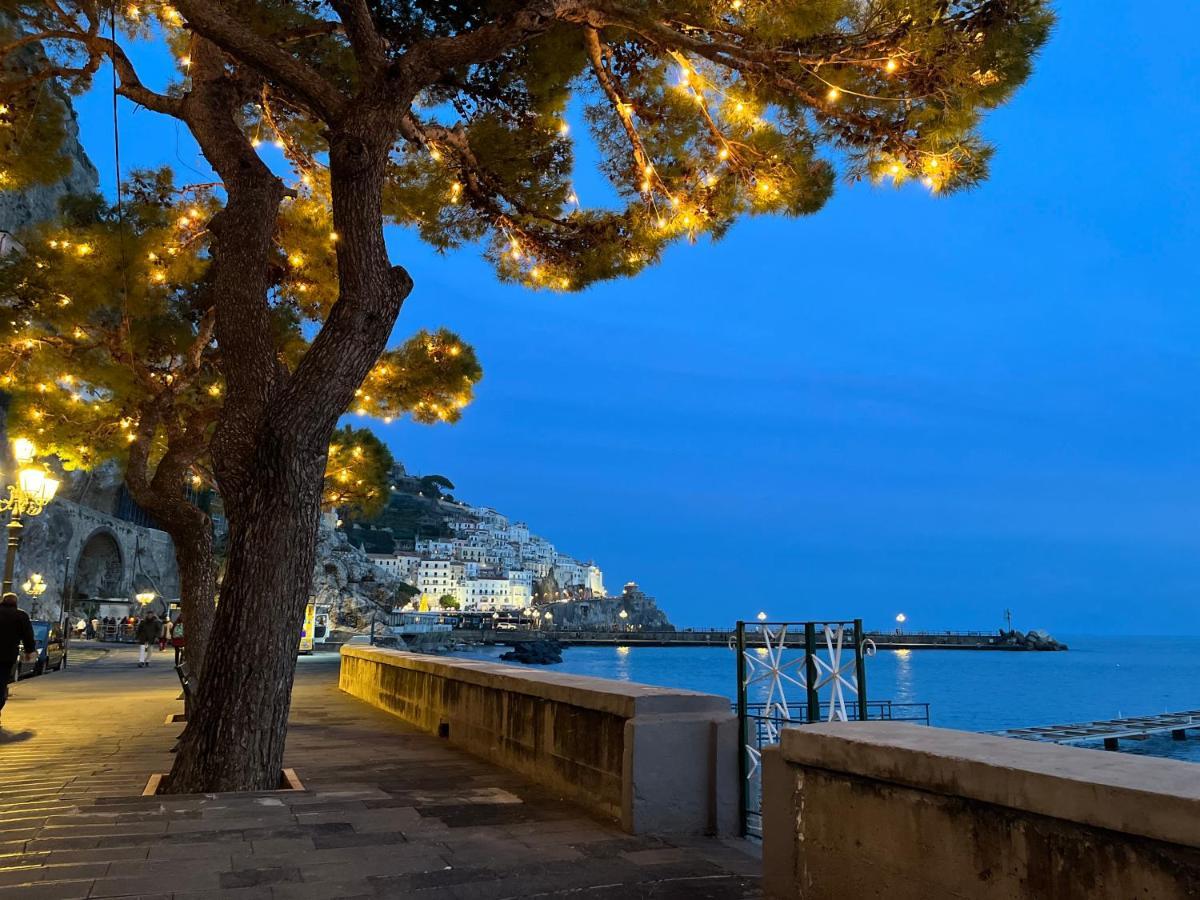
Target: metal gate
{"points": [[793, 673]]}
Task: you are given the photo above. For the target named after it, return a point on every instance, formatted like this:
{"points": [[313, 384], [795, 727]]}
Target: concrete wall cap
{"points": [[622, 698], [1155, 798]]}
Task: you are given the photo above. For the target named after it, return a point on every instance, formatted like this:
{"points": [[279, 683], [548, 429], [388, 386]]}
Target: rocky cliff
{"points": [[37, 203], [352, 586]]}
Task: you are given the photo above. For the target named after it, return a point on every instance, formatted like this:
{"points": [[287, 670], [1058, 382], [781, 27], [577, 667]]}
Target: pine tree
{"points": [[139, 380], [451, 119]]}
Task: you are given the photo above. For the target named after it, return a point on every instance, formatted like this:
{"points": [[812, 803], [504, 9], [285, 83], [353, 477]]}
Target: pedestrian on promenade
{"points": [[177, 638], [15, 630], [90, 629], [147, 632], [164, 634]]}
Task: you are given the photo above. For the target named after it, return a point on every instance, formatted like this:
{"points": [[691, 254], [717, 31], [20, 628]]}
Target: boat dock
{"points": [[1111, 731]]}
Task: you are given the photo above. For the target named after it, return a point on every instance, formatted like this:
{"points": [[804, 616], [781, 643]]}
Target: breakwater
{"points": [[927, 640]]}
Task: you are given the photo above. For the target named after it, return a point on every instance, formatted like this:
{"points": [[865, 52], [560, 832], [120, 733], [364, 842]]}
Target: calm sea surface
{"points": [[1098, 678]]}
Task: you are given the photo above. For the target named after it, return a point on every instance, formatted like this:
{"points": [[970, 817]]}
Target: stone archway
{"points": [[100, 569]]}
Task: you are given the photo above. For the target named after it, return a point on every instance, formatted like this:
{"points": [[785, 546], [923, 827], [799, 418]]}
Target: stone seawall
{"points": [[654, 759], [875, 810]]}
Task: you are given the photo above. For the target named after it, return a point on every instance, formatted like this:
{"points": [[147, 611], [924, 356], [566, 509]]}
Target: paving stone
{"points": [[122, 885], [258, 877], [47, 890]]}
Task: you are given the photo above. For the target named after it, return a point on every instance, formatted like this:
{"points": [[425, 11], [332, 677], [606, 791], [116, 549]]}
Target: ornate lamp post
{"points": [[34, 586], [34, 488], [623, 615], [144, 598], [549, 620]]}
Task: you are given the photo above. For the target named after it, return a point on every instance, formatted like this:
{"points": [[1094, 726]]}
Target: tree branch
{"points": [[368, 46], [238, 38]]}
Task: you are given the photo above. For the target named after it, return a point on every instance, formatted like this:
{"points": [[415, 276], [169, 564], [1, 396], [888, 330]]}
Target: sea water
{"points": [[1098, 678]]}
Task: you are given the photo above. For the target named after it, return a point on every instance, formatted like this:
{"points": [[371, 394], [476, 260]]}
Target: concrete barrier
{"points": [[654, 759], [873, 810]]}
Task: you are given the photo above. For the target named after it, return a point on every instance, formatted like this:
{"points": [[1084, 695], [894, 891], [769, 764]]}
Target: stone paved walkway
{"points": [[387, 811]]}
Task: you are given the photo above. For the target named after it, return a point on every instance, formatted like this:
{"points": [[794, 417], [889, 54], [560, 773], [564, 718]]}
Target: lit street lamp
{"points": [[549, 620], [34, 488], [901, 618], [623, 616], [762, 617], [34, 585], [144, 598]]}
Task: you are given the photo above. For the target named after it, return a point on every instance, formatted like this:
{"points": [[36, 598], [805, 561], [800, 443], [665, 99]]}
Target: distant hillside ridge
{"points": [[418, 508]]}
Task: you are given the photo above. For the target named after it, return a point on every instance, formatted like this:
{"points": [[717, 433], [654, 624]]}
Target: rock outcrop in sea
{"points": [[535, 653], [1030, 640]]}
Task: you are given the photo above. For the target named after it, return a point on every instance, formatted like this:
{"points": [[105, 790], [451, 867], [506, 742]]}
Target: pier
{"points": [[716, 637], [1111, 731]]}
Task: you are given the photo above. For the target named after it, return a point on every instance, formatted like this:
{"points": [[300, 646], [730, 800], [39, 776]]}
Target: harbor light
{"points": [[901, 618]]}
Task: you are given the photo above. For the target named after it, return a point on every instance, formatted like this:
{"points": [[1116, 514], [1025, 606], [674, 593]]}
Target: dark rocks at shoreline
{"points": [[1032, 640], [535, 653]]}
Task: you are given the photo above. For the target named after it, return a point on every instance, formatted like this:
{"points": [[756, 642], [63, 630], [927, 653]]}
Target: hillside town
{"points": [[479, 560]]}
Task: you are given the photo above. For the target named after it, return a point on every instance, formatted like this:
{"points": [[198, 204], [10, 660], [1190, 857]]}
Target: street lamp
{"points": [[623, 615], [762, 617], [901, 618], [34, 586], [34, 488], [549, 620], [145, 598]]}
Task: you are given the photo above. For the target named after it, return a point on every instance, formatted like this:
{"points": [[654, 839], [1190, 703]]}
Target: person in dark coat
{"points": [[15, 630], [147, 632]]}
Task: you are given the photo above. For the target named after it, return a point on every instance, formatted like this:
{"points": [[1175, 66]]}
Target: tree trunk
{"points": [[197, 592], [235, 739]]}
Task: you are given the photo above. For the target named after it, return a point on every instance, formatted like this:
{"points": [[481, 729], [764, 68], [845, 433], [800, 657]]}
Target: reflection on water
{"points": [[905, 691], [622, 667]]}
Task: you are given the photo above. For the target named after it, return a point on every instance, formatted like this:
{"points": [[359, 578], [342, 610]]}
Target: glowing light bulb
{"points": [[833, 95], [892, 65], [723, 153]]}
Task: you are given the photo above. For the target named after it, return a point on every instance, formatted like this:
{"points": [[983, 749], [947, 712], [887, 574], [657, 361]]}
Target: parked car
{"points": [[506, 626], [51, 650]]}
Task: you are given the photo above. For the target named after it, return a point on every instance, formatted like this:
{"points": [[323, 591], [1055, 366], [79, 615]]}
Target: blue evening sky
{"points": [[944, 407]]}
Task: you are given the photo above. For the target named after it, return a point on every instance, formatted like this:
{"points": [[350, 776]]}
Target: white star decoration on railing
{"points": [[834, 671]]}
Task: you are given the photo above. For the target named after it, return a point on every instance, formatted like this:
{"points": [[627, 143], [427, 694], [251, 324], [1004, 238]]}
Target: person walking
{"points": [[15, 631], [177, 640], [147, 632]]}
